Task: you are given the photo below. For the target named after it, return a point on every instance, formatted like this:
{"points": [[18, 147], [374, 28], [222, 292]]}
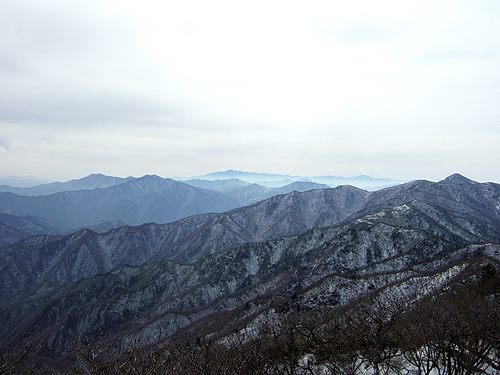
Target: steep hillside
{"points": [[33, 225], [60, 259], [457, 213], [10, 235], [279, 216], [208, 276], [147, 303], [85, 253]]}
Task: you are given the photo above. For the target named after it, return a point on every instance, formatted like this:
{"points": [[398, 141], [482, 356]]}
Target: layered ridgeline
{"points": [[85, 253], [213, 274], [278, 180], [134, 201], [93, 181], [101, 203]]}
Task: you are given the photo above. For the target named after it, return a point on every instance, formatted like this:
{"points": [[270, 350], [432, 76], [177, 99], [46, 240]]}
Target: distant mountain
{"points": [[93, 181], [209, 276], [300, 186], [10, 235], [103, 227], [454, 212], [16, 228], [247, 193], [33, 225], [278, 180], [134, 201], [246, 176], [253, 193], [363, 182], [224, 186], [21, 181]]}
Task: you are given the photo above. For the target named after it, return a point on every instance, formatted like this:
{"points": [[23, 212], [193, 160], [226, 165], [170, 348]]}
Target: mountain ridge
{"points": [[278, 180], [135, 201], [90, 182], [205, 275], [172, 289], [409, 206]]}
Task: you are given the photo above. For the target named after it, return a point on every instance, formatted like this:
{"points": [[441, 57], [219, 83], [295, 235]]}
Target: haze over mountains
{"points": [[93, 181], [214, 181], [278, 180], [205, 273], [102, 202], [135, 201]]}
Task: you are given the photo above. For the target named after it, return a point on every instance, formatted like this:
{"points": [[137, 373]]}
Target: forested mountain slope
{"points": [[209, 275]]}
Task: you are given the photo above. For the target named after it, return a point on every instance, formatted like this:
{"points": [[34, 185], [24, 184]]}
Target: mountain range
{"points": [[98, 201], [279, 180], [93, 181], [213, 274]]}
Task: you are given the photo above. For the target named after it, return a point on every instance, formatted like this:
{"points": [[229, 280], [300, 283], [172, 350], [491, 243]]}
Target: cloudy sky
{"points": [[397, 89]]}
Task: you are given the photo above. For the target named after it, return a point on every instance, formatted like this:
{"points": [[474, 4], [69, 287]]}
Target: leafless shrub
{"points": [[454, 333]]}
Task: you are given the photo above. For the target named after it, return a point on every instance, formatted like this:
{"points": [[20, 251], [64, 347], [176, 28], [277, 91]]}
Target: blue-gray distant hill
{"points": [[15, 228], [21, 181], [279, 180], [93, 181], [247, 193], [103, 202], [134, 201]]}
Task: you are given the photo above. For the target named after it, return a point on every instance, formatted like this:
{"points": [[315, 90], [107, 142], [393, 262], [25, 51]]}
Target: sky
{"points": [[395, 89]]}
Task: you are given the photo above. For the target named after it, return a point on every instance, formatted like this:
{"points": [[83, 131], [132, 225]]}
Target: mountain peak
{"points": [[457, 178], [151, 180]]}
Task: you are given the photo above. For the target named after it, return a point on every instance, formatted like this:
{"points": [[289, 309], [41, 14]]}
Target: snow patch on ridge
{"points": [[395, 211]]}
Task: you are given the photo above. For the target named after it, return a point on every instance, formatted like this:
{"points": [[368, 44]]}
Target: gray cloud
{"points": [[358, 30], [60, 63], [4, 142], [402, 90], [76, 109]]}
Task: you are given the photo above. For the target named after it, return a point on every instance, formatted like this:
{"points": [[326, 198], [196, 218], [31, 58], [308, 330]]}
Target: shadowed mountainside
{"points": [[207, 273], [93, 181], [135, 201]]}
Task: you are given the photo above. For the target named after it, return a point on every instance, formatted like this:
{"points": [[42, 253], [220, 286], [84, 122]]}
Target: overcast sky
{"points": [[397, 89]]}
